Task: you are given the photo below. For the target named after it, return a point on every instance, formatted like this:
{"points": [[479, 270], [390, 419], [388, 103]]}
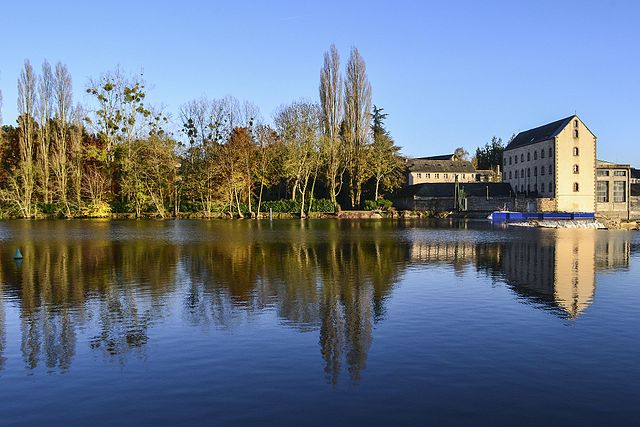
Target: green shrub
{"points": [[370, 205], [380, 204], [323, 206]]}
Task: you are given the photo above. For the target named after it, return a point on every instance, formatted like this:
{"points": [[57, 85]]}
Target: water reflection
{"points": [[117, 280]]}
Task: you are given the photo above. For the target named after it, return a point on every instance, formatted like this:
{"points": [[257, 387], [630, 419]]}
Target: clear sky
{"points": [[448, 73]]}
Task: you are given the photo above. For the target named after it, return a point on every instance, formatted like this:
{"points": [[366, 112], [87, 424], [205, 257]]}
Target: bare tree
{"points": [[45, 108], [21, 180], [62, 101], [331, 103], [357, 110]]}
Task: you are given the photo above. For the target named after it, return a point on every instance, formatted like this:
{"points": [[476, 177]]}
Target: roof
{"points": [[608, 165], [420, 165], [635, 189], [451, 156], [447, 189], [635, 173], [539, 134]]}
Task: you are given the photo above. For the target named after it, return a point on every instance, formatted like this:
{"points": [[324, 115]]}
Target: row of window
{"points": [[529, 188], [437, 175], [514, 159], [535, 172], [619, 191], [615, 173]]}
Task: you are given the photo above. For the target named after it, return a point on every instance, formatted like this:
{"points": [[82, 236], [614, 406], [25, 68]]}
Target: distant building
{"points": [[634, 202], [635, 176], [430, 170], [556, 161], [612, 189]]}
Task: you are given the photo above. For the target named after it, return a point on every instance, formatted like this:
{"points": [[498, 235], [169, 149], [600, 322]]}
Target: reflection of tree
{"points": [[65, 272], [3, 336]]}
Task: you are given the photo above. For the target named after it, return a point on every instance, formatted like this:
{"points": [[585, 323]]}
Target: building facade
{"points": [[613, 189], [555, 161]]}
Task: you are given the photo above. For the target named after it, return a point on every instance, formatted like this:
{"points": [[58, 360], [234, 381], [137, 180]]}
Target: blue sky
{"points": [[448, 74]]}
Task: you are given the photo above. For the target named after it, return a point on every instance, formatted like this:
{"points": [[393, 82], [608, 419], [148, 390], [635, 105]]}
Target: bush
{"points": [[323, 206], [380, 204], [290, 206], [96, 210]]}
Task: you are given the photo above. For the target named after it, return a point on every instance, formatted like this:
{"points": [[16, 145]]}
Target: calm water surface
{"points": [[318, 322]]}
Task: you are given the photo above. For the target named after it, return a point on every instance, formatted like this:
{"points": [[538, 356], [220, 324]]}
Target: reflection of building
{"points": [[612, 189]]}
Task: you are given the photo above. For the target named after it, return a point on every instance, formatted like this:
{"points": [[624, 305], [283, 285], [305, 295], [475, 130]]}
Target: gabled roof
{"points": [[447, 189], [459, 166], [541, 133]]}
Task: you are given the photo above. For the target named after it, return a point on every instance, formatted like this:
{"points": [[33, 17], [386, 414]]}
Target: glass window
{"points": [[542, 170], [535, 155], [510, 174], [551, 187], [575, 151], [619, 192], [602, 191], [528, 157], [550, 152], [576, 169], [619, 173], [516, 174], [535, 171], [419, 175], [575, 133], [576, 187], [529, 172], [542, 153], [522, 157], [603, 173]]}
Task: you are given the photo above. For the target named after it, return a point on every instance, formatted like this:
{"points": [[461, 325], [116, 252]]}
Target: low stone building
{"points": [[445, 197], [612, 190], [447, 168]]}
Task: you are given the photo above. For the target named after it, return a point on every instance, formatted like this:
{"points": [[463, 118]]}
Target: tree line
{"points": [[119, 153]]}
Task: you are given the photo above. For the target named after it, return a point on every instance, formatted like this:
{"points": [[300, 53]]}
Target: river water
{"points": [[315, 322]]}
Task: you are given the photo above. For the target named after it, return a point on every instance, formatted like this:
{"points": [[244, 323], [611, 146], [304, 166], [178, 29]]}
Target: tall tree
{"points": [[62, 104], [45, 109], [386, 163], [357, 110], [331, 102]]}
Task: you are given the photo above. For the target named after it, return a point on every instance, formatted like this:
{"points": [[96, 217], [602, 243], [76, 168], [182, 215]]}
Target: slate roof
{"points": [[441, 157], [541, 133], [447, 190], [444, 166]]}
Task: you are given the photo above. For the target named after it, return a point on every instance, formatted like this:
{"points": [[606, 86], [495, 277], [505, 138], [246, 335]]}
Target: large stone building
{"points": [[556, 161]]}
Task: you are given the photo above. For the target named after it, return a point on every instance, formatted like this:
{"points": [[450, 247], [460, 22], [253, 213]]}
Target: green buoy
{"points": [[18, 254]]}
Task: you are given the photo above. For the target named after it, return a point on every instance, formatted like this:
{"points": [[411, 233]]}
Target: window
{"points": [[542, 170], [437, 176], [528, 188], [535, 187], [602, 191], [522, 173], [446, 176], [510, 174], [575, 133], [542, 153], [516, 174], [528, 157], [535, 171], [419, 175], [550, 152], [550, 169], [576, 187], [428, 175], [575, 123], [576, 169], [510, 158], [551, 187], [528, 172], [619, 192], [535, 155], [619, 173], [603, 173], [522, 157], [464, 176], [575, 151]]}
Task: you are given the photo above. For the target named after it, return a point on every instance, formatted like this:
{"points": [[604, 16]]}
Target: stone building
{"points": [[612, 189], [446, 168], [556, 161], [443, 197]]}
